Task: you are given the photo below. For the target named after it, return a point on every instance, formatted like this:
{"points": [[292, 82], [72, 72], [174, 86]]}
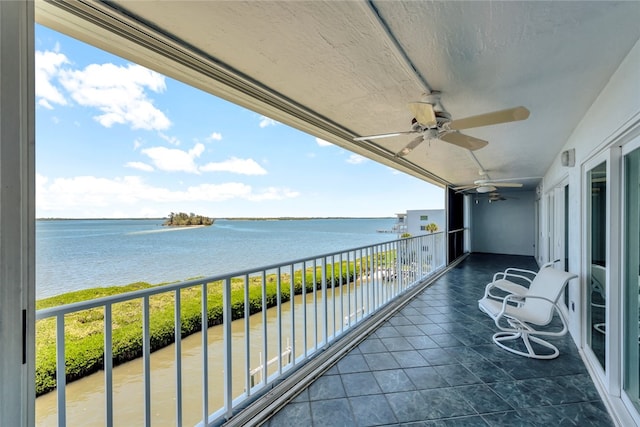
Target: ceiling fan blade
{"points": [[384, 135], [410, 146], [423, 113], [505, 184], [464, 141], [464, 187], [503, 116]]}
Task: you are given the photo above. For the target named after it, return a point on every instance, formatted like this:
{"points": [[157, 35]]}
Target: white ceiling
{"points": [[341, 69]]}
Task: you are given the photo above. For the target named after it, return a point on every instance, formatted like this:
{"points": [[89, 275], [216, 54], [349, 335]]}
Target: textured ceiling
{"points": [[356, 64]]}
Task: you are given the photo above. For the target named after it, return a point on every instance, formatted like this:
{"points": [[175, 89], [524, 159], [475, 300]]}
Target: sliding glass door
{"points": [[631, 272], [597, 266]]}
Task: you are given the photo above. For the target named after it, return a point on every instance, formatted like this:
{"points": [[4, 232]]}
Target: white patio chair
{"points": [[515, 281], [524, 316]]}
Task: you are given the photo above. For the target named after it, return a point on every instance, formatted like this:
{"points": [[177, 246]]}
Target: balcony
{"points": [[375, 349]]}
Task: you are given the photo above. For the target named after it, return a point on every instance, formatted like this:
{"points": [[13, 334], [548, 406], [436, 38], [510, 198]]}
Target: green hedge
{"points": [[84, 330]]}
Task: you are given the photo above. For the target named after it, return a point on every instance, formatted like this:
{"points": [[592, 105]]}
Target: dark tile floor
{"points": [[434, 364]]}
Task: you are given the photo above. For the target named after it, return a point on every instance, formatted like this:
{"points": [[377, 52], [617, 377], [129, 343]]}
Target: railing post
{"points": [[227, 339], [333, 294], [359, 260], [178, 349], [340, 272], [247, 337], [108, 365], [304, 308], [146, 360], [279, 317], [61, 372], [315, 303], [292, 295], [263, 380], [324, 301], [349, 285], [205, 354]]}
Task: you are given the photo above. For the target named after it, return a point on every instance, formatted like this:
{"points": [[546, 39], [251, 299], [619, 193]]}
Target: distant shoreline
{"points": [[281, 218]]}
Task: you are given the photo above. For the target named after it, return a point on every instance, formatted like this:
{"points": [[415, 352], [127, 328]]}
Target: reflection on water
{"points": [[86, 400]]}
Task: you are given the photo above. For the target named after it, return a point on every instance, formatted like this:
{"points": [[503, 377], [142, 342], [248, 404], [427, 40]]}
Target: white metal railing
{"points": [[316, 301]]}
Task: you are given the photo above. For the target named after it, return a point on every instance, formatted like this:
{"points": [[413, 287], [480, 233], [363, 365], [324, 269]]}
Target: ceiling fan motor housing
{"points": [[485, 189]]}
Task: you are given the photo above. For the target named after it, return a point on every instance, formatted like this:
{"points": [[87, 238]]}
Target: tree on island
{"points": [[182, 219]]}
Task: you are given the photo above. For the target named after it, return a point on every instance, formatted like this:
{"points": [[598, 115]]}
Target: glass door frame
{"points": [[623, 151], [609, 375]]}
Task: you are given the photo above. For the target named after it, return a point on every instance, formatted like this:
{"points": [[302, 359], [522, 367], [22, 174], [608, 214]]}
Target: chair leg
{"points": [[500, 337]]}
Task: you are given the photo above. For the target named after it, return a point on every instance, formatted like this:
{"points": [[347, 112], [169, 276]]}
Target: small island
{"points": [[182, 219]]}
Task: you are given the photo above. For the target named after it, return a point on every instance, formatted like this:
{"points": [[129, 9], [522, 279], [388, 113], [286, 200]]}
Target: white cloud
{"points": [[140, 166], [323, 143], [173, 159], [137, 143], [235, 165], [266, 121], [215, 136], [47, 67], [63, 196], [119, 93], [273, 193], [356, 159], [170, 139]]}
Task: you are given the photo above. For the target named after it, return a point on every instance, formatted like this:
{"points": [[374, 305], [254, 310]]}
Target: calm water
{"points": [[80, 254]]}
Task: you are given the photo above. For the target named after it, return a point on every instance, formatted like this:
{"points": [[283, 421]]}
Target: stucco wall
{"points": [[513, 217]]}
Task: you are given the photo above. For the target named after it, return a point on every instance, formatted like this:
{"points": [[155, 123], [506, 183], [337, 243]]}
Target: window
{"points": [[424, 217]]}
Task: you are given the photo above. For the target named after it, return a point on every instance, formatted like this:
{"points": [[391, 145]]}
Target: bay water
{"points": [[80, 254]]}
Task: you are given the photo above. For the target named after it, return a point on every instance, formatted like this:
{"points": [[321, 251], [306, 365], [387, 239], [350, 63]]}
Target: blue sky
{"points": [[114, 139]]}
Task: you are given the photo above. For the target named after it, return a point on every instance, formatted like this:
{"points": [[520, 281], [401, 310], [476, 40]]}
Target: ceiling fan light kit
{"points": [[485, 189]]}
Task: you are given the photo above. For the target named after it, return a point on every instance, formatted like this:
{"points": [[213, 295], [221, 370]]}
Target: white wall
{"points": [[414, 222], [493, 222]]}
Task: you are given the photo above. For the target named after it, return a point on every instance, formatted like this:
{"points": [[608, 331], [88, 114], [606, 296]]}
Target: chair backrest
{"points": [[548, 283]]}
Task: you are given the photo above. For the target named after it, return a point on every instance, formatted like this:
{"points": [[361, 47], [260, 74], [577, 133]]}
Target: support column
{"points": [[17, 214]]}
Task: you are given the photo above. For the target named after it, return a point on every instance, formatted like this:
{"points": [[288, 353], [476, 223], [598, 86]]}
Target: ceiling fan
{"points": [[433, 124], [487, 185]]}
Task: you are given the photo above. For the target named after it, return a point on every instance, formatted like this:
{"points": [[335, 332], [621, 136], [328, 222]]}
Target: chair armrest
{"points": [[513, 272], [510, 287], [520, 297], [533, 274]]}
